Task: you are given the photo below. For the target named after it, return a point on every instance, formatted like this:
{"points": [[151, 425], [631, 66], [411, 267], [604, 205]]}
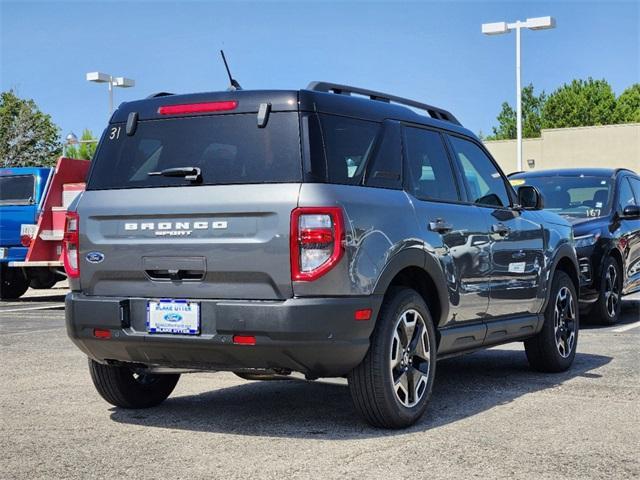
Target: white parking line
{"points": [[631, 326], [26, 309]]}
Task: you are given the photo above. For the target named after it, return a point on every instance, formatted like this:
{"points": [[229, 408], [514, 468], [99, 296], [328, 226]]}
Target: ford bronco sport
{"points": [[331, 231]]}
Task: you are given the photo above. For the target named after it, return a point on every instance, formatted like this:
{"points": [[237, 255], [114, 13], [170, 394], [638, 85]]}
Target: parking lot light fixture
{"points": [[122, 82], [497, 28]]}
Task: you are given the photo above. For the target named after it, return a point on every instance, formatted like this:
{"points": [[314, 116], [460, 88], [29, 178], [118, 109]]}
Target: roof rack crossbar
{"points": [[434, 112]]}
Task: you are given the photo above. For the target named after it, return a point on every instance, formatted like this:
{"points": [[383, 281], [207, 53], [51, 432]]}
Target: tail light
{"points": [[317, 235], [25, 240], [71, 247]]}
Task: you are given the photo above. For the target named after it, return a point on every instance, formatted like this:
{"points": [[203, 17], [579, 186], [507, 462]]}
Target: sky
{"points": [[430, 51]]}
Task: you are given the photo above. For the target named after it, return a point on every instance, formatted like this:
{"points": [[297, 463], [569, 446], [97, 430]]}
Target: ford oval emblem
{"points": [[173, 317], [95, 257]]}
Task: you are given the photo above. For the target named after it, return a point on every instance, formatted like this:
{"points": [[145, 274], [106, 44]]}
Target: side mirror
{"points": [[530, 198], [631, 211]]}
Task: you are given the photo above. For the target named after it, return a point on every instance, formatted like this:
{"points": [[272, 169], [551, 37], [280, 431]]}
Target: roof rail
{"points": [[160, 94], [434, 112]]}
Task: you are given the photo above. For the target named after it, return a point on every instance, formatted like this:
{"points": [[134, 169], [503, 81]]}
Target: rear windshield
{"points": [[17, 190], [228, 149], [581, 196]]}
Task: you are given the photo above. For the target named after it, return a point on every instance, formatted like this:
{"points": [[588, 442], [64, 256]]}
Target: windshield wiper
{"points": [[193, 174]]}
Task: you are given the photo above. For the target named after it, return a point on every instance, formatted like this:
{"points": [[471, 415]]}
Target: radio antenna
{"points": [[234, 85]]}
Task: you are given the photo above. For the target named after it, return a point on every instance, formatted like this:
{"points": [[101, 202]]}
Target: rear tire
{"points": [[554, 348], [606, 311], [123, 387], [392, 385], [13, 282]]}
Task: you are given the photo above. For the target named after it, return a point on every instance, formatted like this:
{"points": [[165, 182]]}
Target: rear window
{"points": [[17, 190], [228, 149]]}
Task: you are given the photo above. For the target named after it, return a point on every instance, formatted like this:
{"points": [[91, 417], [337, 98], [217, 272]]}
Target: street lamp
{"points": [[72, 139], [497, 28], [122, 82]]}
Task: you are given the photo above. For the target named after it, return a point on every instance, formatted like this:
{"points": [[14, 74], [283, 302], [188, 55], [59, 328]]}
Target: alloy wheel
{"points": [[410, 358], [564, 322], [611, 291]]}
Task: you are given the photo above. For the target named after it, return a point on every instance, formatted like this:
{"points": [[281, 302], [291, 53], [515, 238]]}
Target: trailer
{"points": [[33, 207]]}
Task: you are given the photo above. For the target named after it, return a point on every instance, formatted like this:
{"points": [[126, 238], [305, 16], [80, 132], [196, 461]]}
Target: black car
{"points": [[604, 206]]}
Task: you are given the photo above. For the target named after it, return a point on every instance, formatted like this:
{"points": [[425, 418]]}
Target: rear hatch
{"points": [[216, 228]]}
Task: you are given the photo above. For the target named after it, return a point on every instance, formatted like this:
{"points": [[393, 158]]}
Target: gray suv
{"points": [[332, 231]]}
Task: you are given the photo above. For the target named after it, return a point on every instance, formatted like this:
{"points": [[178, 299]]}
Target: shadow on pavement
{"points": [[465, 386]]}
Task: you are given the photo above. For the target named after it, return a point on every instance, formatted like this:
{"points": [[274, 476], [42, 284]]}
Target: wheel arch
{"points": [[415, 268], [565, 261]]}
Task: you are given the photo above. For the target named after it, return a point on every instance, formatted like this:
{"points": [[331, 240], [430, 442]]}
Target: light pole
{"points": [[538, 23], [122, 82], [72, 139]]}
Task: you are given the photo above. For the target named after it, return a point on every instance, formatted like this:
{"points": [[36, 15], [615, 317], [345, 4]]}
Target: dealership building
{"points": [[602, 146]]}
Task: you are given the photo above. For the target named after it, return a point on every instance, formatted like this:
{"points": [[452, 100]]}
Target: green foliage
{"points": [[628, 105], [580, 103], [28, 137], [531, 117], [85, 149]]}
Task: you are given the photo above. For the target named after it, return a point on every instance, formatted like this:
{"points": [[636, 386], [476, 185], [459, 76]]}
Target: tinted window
{"points": [[625, 195], [485, 184], [229, 149], [635, 185], [578, 196], [348, 143], [385, 168], [429, 172], [17, 190]]}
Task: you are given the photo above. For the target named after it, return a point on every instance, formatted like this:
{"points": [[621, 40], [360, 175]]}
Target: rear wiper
{"points": [[193, 174]]}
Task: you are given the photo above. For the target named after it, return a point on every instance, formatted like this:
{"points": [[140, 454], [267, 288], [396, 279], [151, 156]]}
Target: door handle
{"points": [[440, 226], [501, 229]]}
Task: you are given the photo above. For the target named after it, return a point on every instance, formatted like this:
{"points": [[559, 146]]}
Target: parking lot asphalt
{"points": [[489, 416]]}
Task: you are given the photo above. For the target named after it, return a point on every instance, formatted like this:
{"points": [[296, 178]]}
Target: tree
{"points": [[531, 117], [85, 150], [628, 105], [580, 103], [28, 137]]}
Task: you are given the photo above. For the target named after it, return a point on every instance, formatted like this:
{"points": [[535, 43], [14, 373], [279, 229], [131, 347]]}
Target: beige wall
{"points": [[604, 146]]}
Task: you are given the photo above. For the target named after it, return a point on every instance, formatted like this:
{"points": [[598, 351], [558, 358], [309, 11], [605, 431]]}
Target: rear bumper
{"points": [[316, 336], [13, 254]]}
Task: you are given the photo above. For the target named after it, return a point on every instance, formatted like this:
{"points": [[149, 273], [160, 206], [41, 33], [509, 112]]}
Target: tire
{"points": [[13, 282], [554, 347], [606, 310], [391, 389], [122, 387]]}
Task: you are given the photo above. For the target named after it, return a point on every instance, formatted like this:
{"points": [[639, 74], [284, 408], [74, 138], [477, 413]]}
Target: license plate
{"points": [[4, 252], [28, 229], [179, 317]]}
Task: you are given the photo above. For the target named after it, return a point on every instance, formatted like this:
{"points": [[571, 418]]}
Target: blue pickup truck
{"points": [[22, 191]]}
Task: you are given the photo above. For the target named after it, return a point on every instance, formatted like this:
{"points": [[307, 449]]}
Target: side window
{"points": [[384, 170], [635, 186], [625, 194], [348, 143], [429, 173], [484, 182]]}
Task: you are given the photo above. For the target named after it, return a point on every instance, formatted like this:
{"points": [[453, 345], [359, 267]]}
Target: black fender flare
{"points": [[416, 257], [564, 251]]}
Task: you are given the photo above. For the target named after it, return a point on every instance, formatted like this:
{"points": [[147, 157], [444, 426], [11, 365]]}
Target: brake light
{"points": [[197, 107], [244, 339], [25, 240], [71, 247], [317, 236]]}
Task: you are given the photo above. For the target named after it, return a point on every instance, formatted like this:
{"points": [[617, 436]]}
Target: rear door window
{"points": [[229, 149], [17, 190]]}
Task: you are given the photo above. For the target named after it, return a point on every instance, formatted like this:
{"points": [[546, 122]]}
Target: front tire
{"points": [[123, 387], [392, 385], [554, 348], [606, 311]]}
